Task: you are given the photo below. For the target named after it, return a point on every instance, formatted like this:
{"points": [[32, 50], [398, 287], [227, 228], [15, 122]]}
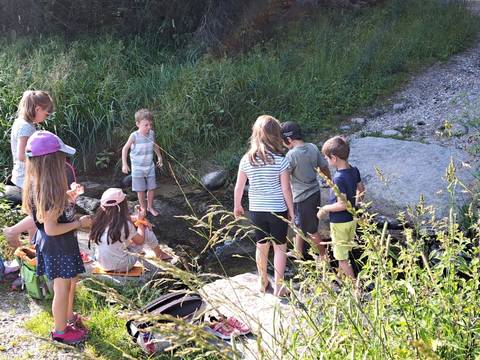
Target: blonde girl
{"points": [[33, 109], [270, 197], [45, 198]]}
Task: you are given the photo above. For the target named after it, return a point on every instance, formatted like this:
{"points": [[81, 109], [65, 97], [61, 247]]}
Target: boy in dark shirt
{"points": [[348, 181]]}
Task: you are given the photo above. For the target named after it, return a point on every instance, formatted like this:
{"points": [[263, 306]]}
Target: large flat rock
{"points": [[397, 172], [264, 313]]}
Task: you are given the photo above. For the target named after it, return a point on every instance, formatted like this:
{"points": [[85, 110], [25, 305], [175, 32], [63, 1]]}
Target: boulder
{"points": [[215, 179], [359, 121], [87, 205], [127, 182], [397, 172], [391, 132], [13, 193], [399, 107]]}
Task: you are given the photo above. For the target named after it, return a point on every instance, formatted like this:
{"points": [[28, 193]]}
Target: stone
{"points": [[13, 193], [459, 129], [399, 107], [376, 113], [391, 132], [87, 205], [215, 179], [264, 313], [127, 182], [359, 121], [93, 189], [345, 127], [397, 172]]}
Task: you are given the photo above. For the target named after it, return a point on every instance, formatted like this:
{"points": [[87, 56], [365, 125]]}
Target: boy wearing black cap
{"points": [[304, 159]]}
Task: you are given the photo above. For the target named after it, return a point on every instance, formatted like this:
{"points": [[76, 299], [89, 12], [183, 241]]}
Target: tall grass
{"points": [[332, 63]]}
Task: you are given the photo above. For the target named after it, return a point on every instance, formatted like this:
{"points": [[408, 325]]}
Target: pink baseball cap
{"points": [[112, 197], [44, 142]]}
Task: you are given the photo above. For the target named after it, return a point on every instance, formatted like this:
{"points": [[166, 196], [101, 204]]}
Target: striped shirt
{"points": [[265, 192], [141, 154], [20, 128]]}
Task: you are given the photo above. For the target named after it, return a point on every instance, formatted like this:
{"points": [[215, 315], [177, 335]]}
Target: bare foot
{"points": [[281, 291], [263, 285], [162, 255], [12, 238], [153, 211]]}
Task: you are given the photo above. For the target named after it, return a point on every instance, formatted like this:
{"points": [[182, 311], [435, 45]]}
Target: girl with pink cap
{"points": [[115, 235]]}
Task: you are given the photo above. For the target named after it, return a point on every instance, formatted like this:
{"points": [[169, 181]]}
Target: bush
{"points": [[328, 65]]}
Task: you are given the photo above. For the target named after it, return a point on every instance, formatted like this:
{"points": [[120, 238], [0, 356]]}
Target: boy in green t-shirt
{"points": [[304, 159]]}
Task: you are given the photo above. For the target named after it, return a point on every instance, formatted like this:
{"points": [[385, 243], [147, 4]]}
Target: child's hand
{"points": [[238, 212], [160, 163], [85, 221], [125, 169], [141, 213], [75, 191], [322, 212], [291, 216]]}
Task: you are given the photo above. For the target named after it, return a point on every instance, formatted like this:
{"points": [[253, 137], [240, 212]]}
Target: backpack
{"points": [[182, 304], [38, 287]]}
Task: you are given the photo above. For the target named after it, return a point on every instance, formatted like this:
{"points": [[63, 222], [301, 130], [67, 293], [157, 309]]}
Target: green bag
{"points": [[36, 286]]}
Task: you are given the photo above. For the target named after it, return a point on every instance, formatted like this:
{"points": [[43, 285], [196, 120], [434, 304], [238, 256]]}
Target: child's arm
{"points": [[53, 227], [126, 147], [21, 145], [360, 193], [287, 193], [157, 151], [238, 194], [139, 237]]}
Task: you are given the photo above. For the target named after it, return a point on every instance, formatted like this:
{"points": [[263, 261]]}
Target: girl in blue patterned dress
{"points": [[46, 198]]}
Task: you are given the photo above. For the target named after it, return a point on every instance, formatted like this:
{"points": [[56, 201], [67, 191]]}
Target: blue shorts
{"points": [[59, 266], [145, 182]]}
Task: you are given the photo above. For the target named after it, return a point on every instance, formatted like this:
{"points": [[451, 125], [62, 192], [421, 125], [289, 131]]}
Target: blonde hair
{"points": [[266, 138], [30, 100], [45, 185], [337, 146], [143, 114]]}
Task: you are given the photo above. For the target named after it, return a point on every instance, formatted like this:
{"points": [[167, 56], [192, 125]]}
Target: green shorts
{"points": [[343, 235]]}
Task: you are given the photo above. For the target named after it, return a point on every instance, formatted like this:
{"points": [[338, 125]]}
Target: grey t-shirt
{"points": [[303, 161], [20, 128]]}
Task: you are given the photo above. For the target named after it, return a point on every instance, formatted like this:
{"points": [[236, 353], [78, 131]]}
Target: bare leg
{"points": [[61, 290], [71, 297], [321, 248], [12, 233], [141, 199], [346, 268], [159, 253], [150, 197], [299, 246], [261, 257], [279, 263]]}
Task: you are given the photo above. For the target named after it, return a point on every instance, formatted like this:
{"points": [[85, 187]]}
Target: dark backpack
{"points": [[181, 304]]}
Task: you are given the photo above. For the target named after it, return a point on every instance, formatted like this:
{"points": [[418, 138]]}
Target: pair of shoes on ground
{"points": [[75, 332], [226, 328], [70, 336]]}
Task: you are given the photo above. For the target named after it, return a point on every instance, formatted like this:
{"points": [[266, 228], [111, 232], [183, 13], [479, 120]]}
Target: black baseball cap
{"points": [[291, 130]]}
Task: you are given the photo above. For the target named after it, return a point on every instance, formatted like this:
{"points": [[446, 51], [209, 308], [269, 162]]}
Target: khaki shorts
{"points": [[324, 223], [343, 235]]}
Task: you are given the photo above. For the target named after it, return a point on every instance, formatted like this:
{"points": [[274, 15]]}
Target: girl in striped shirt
{"points": [[269, 195]]}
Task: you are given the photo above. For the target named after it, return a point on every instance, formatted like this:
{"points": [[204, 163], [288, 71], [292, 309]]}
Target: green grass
{"points": [[331, 64]]}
